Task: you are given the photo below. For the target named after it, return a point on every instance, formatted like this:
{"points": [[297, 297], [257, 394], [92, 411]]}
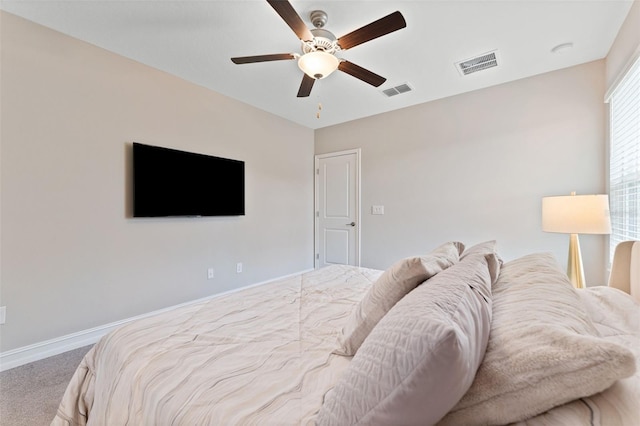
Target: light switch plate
{"points": [[377, 209], [3, 314]]}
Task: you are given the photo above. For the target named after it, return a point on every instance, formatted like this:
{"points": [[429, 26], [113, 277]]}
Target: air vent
{"points": [[479, 63], [402, 88]]}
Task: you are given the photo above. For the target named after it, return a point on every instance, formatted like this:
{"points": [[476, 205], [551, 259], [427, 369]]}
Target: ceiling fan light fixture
{"points": [[318, 64]]}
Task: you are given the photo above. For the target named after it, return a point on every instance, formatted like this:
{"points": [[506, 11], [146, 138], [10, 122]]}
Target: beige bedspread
{"points": [[261, 356]]}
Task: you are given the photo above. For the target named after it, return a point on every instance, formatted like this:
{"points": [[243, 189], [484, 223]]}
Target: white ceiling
{"points": [[195, 39]]}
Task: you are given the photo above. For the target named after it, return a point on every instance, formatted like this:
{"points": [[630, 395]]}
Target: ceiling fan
{"points": [[319, 46]]}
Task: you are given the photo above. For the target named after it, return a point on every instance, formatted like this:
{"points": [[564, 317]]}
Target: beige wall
{"points": [[625, 47], [72, 259], [475, 166]]}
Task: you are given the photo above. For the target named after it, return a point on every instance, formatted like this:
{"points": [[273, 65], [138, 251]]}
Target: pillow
{"points": [[393, 284], [480, 248], [483, 248], [543, 349], [422, 356]]}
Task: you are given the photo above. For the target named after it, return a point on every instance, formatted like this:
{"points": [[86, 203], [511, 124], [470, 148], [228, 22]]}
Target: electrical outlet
{"points": [[210, 273], [3, 314], [238, 267]]}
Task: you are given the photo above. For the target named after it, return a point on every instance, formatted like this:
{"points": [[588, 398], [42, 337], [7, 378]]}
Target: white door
{"points": [[338, 208]]}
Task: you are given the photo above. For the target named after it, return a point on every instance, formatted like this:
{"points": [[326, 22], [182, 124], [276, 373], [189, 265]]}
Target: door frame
{"points": [[316, 214]]}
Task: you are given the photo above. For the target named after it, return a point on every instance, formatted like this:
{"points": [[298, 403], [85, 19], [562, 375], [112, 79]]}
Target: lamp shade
{"points": [[318, 64], [576, 214]]}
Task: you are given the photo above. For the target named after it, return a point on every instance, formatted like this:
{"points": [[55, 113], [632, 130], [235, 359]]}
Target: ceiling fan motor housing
{"points": [[323, 40]]}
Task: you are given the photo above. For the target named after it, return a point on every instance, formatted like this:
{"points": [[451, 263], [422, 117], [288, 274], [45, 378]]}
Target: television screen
{"points": [[168, 182]]}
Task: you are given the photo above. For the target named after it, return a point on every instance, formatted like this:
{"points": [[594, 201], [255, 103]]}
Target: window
{"points": [[624, 160]]}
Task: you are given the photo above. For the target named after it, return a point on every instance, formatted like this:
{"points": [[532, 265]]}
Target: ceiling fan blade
{"points": [[382, 26], [291, 17], [262, 58], [361, 73], [306, 86]]}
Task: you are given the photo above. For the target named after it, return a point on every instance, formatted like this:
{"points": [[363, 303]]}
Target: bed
{"points": [[453, 336]]}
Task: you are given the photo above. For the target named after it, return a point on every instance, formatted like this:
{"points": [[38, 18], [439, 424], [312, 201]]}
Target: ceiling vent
{"points": [[479, 63], [402, 88]]}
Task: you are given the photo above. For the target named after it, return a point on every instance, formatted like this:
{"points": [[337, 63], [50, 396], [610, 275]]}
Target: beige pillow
{"points": [[482, 249], [393, 284], [543, 349], [422, 356]]}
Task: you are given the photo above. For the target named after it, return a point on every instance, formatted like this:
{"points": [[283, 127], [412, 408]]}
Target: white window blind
{"points": [[624, 167]]}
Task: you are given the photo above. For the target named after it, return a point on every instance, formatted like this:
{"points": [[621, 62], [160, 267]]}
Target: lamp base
{"points": [[574, 265]]}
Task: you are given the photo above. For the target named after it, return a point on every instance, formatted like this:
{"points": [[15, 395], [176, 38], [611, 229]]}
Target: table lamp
{"points": [[576, 214]]}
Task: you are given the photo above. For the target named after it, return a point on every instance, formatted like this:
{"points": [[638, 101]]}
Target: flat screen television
{"points": [[168, 182]]}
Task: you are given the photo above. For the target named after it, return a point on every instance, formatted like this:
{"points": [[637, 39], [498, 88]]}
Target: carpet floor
{"points": [[30, 394]]}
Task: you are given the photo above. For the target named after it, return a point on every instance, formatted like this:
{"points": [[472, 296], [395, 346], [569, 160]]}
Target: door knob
{"points": [[351, 224]]}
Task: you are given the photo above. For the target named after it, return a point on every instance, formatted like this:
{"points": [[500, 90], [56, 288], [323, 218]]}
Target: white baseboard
{"points": [[37, 351]]}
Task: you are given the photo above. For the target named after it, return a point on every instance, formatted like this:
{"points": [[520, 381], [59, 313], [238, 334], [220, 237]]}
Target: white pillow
{"points": [[393, 284], [422, 356], [543, 349]]}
